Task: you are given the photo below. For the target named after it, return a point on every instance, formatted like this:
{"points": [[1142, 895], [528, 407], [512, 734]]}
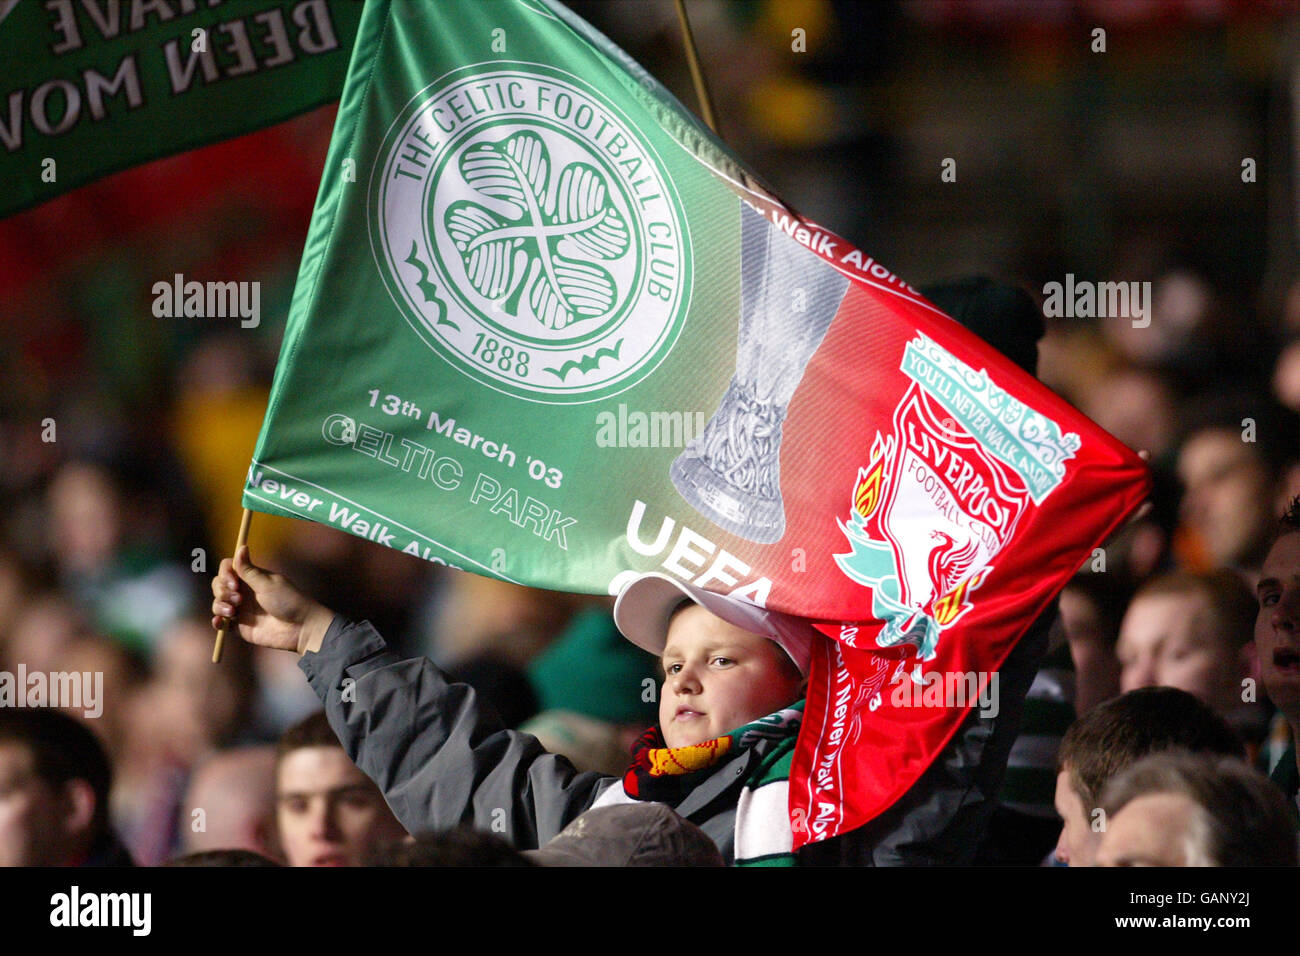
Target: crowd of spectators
{"points": [[1198, 595], [117, 512]]}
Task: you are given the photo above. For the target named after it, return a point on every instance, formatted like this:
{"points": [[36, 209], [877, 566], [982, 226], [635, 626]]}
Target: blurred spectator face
{"points": [[1179, 305], [1156, 829], [1093, 652], [43, 634], [1229, 495], [220, 363], [38, 826], [1277, 629], [236, 791], [85, 518], [1077, 845], [283, 697], [97, 655], [1168, 640], [329, 813], [1286, 376], [1135, 407], [482, 615], [200, 705], [12, 590]]}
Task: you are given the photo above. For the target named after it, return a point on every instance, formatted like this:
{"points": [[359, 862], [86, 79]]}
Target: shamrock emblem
{"points": [[536, 251]]}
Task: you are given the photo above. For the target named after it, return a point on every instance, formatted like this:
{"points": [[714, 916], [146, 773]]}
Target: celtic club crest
{"points": [[942, 494], [529, 234]]}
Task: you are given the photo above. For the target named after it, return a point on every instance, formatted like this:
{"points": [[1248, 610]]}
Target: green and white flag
{"points": [[90, 87]]}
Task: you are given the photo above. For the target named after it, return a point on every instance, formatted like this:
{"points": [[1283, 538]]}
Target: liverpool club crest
{"points": [[943, 493]]}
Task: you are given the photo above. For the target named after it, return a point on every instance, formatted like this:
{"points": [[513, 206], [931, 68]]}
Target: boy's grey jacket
{"points": [[442, 760]]}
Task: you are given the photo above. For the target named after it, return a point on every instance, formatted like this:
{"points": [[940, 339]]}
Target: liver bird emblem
{"points": [[948, 564]]}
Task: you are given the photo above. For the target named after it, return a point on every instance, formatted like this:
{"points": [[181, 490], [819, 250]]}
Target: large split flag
{"points": [[547, 328]]}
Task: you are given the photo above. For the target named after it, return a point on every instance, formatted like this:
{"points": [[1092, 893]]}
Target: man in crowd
{"points": [[1232, 463], [1114, 735], [235, 790], [1181, 809], [1194, 632], [328, 812], [54, 787], [1277, 639]]}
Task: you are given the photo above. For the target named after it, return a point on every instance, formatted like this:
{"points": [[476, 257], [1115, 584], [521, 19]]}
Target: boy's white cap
{"points": [[646, 603]]}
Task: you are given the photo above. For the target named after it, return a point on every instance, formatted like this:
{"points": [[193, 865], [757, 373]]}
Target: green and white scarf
{"points": [[668, 774]]}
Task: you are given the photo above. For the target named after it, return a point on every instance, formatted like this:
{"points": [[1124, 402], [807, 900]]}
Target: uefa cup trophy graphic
{"points": [[730, 472]]}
